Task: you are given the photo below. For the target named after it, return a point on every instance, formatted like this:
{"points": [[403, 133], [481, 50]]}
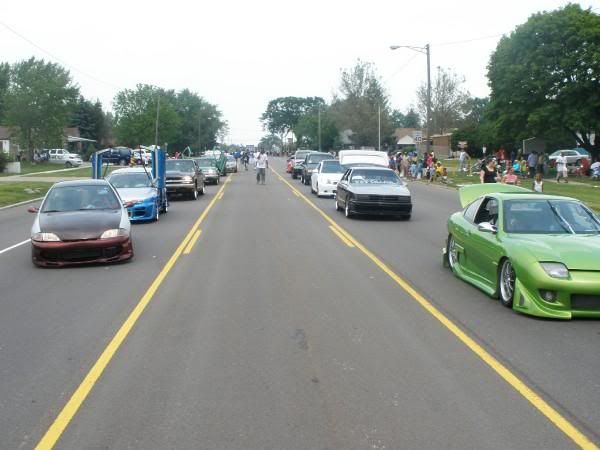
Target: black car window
{"points": [[181, 165], [315, 159], [471, 210], [332, 167], [371, 176], [80, 197], [488, 212]]}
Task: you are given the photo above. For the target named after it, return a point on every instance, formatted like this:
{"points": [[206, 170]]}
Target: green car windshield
{"points": [[549, 217]]}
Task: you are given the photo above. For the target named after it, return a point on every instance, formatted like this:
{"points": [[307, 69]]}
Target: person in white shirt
{"points": [[561, 168], [262, 162]]}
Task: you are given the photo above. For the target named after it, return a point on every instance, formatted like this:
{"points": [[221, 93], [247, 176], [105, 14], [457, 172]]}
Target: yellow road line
{"points": [[220, 196], [514, 381], [343, 238], [63, 419], [295, 193], [192, 242]]}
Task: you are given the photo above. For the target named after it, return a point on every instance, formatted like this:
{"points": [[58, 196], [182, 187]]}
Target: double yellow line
{"points": [[61, 422], [513, 380]]}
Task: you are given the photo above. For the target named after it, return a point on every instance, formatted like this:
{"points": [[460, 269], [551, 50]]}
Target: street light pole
{"points": [[319, 128], [425, 50]]}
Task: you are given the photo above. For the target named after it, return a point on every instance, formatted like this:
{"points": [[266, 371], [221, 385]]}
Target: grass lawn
{"points": [[83, 172], [28, 167], [586, 190], [19, 191]]}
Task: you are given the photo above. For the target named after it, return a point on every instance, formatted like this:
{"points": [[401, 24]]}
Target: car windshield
{"points": [[332, 167], [549, 217], [206, 162], [369, 176], [301, 156], [80, 197], [316, 159], [180, 165], [130, 180]]}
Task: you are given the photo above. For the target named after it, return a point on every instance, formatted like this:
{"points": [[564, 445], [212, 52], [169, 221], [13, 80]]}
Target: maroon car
{"points": [[81, 222]]}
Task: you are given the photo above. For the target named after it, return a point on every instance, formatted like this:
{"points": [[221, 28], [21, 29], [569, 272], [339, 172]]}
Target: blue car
{"points": [[138, 190]]}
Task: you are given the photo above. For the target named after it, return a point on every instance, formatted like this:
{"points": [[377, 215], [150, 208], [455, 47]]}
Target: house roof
{"points": [[406, 140]]}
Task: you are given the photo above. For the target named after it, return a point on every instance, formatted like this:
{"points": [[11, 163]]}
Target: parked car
{"points": [[299, 158], [139, 191], [371, 190], [142, 156], [574, 156], [118, 155], [326, 177], [349, 158], [183, 177], [310, 163], [61, 156], [80, 222], [208, 166], [231, 164], [538, 253]]}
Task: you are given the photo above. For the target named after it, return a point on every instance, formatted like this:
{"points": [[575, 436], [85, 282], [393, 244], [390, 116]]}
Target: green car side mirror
{"points": [[487, 227]]}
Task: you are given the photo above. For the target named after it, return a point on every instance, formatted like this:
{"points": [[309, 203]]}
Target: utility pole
{"points": [[425, 50], [199, 134], [319, 115], [428, 99], [156, 123]]}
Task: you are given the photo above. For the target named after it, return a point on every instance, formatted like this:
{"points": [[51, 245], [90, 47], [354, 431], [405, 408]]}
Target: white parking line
{"points": [[14, 246]]}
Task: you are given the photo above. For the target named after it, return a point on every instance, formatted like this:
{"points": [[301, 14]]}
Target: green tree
{"points": [[544, 77], [412, 119], [4, 82], [356, 107], [135, 115], [307, 131], [89, 119], [202, 123], [283, 113], [41, 98], [269, 141], [447, 100]]}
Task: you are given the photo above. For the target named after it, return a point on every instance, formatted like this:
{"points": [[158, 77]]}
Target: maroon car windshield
{"points": [[80, 197]]}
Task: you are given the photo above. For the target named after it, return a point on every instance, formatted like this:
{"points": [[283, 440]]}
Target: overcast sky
{"points": [[241, 54]]}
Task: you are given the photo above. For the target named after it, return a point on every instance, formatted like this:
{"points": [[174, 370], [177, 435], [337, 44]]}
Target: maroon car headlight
{"points": [[115, 232], [45, 237]]}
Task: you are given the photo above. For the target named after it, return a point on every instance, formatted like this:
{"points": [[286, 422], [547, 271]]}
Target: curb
{"points": [[14, 205]]}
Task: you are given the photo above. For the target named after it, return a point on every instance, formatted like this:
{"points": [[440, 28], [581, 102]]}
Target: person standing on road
{"points": [[561, 168], [262, 163]]}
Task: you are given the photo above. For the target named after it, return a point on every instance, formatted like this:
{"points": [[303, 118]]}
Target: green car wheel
{"points": [[452, 253]]}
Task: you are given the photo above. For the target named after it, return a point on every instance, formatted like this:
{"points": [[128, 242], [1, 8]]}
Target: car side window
{"points": [[471, 210], [488, 212]]}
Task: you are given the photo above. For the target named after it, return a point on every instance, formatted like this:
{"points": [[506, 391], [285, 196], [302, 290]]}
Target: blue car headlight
{"points": [[555, 270]]}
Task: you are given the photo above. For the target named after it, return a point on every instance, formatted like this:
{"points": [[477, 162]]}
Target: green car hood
{"points": [[576, 251], [469, 193]]}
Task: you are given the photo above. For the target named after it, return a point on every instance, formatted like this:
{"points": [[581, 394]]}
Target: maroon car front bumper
{"points": [[58, 254]]}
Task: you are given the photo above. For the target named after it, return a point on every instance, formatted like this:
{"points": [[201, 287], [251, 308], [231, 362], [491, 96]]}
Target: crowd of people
{"points": [[412, 166]]}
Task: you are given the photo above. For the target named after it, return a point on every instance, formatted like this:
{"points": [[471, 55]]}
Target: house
{"points": [[442, 144], [72, 140], [8, 144]]}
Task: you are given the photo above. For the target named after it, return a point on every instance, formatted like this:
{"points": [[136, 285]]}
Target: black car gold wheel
{"points": [[507, 283]]}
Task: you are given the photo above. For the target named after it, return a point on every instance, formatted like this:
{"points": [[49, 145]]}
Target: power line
{"points": [[30, 42]]}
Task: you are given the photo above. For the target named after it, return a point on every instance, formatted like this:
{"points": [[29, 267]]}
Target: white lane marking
{"points": [[7, 249]]}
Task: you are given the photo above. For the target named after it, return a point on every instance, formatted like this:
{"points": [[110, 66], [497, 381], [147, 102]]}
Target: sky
{"points": [[241, 54]]}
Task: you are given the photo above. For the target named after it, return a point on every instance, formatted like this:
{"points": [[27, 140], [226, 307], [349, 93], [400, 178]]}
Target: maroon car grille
{"points": [[82, 254], [583, 301]]}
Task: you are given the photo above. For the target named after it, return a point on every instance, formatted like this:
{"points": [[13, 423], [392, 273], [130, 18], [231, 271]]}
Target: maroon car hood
{"points": [[76, 225]]}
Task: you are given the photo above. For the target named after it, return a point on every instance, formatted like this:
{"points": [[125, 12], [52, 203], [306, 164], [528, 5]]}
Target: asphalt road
{"points": [[273, 333]]}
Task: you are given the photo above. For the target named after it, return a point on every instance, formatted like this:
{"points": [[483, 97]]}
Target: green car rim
{"points": [[507, 283], [452, 253]]}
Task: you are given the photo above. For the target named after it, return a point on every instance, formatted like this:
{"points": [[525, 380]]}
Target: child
{"points": [[538, 183]]}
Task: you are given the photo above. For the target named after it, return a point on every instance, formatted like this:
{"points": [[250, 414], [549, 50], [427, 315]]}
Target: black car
{"points": [[371, 190], [117, 155], [184, 177], [310, 163]]}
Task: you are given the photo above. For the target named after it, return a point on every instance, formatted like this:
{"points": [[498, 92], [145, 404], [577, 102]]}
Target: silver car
{"points": [[574, 156]]}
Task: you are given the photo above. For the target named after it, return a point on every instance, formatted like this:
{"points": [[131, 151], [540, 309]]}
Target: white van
{"points": [[61, 156], [357, 157]]}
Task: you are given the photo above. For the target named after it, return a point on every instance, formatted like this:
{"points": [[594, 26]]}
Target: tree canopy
{"points": [[40, 99], [544, 77], [283, 113]]}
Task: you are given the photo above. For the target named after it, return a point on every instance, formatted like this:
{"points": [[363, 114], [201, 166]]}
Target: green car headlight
{"points": [[555, 270]]}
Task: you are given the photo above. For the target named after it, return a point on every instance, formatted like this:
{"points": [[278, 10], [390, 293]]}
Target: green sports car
{"points": [[540, 254]]}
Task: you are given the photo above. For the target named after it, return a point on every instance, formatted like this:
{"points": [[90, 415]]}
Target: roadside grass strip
{"points": [[506, 374], [63, 419]]}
